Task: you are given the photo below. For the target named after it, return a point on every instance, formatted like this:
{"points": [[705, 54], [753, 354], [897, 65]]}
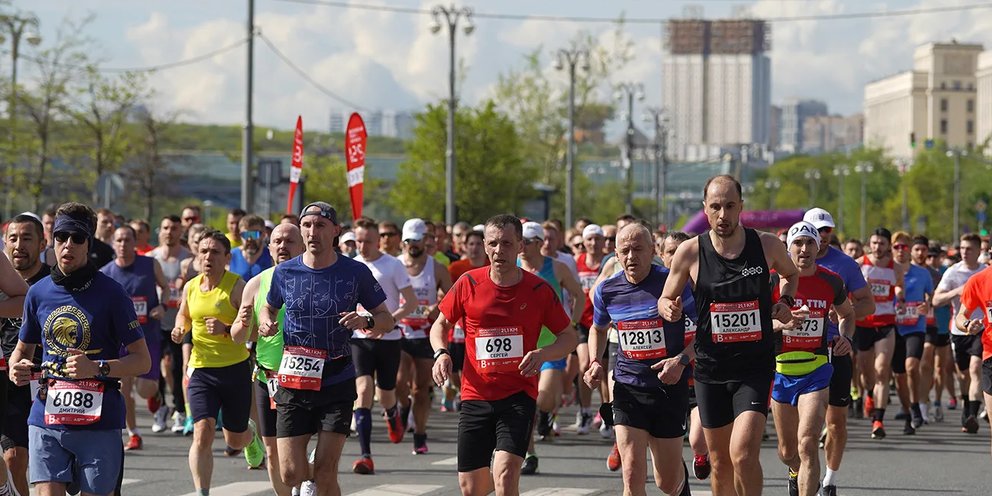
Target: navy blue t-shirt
{"points": [[849, 271], [314, 300], [645, 338], [99, 320]]}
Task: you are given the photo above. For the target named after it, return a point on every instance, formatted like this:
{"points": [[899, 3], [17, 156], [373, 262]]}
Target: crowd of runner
{"points": [[279, 334]]}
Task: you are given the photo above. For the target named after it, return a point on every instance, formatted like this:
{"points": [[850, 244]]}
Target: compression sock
{"points": [[829, 478], [543, 423], [363, 420], [975, 407]]}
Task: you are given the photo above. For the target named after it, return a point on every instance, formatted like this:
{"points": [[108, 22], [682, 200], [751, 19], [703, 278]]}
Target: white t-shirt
{"points": [[392, 276], [954, 277]]}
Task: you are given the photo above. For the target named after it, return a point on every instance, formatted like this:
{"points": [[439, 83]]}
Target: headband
{"points": [[64, 223]]}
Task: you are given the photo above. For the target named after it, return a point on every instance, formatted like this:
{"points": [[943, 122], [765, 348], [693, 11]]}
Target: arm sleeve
{"points": [[451, 305], [275, 298], [370, 293], [600, 314], [555, 318], [30, 328]]}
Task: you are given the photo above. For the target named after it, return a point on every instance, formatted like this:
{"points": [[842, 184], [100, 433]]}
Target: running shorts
{"points": [[788, 388], [964, 348], [487, 426], [212, 389], [302, 412], [721, 403], [866, 337], [378, 357], [661, 411]]}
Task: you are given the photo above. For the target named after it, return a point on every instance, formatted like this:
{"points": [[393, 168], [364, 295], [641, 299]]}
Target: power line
{"points": [[648, 20], [306, 76], [151, 68]]}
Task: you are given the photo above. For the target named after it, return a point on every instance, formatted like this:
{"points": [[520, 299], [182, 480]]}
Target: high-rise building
{"points": [[832, 133], [775, 127], [389, 123], [934, 101], [983, 98], [716, 84], [794, 115]]}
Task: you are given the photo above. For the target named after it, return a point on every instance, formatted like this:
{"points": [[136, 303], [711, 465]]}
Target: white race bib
{"points": [[499, 349], [807, 336], [141, 308], [735, 322], [74, 402], [909, 315], [642, 339], [272, 384], [302, 368]]}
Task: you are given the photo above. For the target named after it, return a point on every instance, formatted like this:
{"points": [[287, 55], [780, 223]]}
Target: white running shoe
{"points": [[308, 488], [178, 422], [161, 418]]}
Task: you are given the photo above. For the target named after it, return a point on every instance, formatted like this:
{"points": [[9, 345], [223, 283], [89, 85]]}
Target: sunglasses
{"points": [[578, 246], [612, 239], [251, 235], [825, 230], [191, 219], [901, 246], [388, 234], [77, 238]]}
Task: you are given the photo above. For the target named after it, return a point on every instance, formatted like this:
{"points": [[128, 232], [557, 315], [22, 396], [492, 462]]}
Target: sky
{"points": [[391, 60]]}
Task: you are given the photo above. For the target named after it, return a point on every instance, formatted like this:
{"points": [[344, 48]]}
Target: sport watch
{"points": [[370, 322], [684, 360], [439, 352], [103, 369]]}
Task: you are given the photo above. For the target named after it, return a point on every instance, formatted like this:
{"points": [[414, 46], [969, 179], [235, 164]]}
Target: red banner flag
{"points": [[355, 140], [296, 167]]}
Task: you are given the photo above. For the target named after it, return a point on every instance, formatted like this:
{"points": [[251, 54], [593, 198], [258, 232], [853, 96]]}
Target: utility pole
{"points": [[17, 27], [812, 175], [570, 58], [247, 184], [629, 91], [841, 172], [863, 169]]}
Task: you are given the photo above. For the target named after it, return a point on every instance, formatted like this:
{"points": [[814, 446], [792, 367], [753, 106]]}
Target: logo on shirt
{"points": [[750, 271], [66, 327]]}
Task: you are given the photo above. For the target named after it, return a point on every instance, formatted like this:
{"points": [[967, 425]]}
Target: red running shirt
{"points": [[502, 325], [977, 294]]}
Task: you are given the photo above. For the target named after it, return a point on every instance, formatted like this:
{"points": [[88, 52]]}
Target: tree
{"points": [[146, 171], [491, 175]]}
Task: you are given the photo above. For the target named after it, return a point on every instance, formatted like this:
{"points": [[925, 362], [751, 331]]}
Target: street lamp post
{"points": [[247, 138], [903, 166], [451, 15], [570, 58], [956, 153], [772, 185], [17, 27], [841, 171], [812, 175], [629, 91], [657, 117], [863, 169]]}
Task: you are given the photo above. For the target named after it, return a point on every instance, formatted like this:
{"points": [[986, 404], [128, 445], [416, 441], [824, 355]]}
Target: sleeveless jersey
{"points": [[172, 271], [268, 349], [417, 324], [819, 292], [213, 351], [587, 277], [138, 280], [733, 300], [882, 281], [547, 273]]}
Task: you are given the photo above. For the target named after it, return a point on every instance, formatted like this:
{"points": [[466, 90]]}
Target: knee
{"points": [[203, 433], [505, 479], [913, 367], [669, 485], [786, 453], [292, 476], [743, 456], [808, 447]]}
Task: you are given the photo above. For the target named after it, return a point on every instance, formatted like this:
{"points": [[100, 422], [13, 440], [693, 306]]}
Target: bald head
{"points": [[635, 231], [285, 243], [724, 184]]}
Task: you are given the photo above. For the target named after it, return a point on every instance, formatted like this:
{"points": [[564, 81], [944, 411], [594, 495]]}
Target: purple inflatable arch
{"points": [[760, 219]]}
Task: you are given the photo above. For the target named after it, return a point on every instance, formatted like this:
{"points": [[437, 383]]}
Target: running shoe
{"points": [[231, 452], [363, 466], [970, 425], [178, 421], [255, 451], [134, 443], [308, 488], [395, 428], [917, 422], [869, 405], [544, 425], [938, 414], [585, 420], [908, 429], [420, 444], [701, 467], [606, 431], [952, 404], [530, 465], [902, 415], [555, 426], [829, 491], [154, 403], [984, 415], [793, 483], [408, 418], [877, 430], [613, 461], [859, 408], [597, 421], [161, 420]]}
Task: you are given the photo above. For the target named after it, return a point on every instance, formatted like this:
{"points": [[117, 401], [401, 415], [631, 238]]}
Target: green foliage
{"points": [[490, 175]]}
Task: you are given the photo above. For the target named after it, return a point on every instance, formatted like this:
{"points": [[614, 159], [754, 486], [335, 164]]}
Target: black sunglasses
{"points": [[388, 234], [77, 238]]}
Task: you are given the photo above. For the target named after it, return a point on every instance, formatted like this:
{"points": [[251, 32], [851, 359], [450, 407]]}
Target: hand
{"points": [[798, 317], [20, 372], [157, 313], [594, 375], [215, 326], [354, 321], [842, 347], [79, 366], [244, 315], [923, 308], [177, 335], [975, 326], [267, 328], [782, 313], [670, 310], [531, 363], [900, 306], [671, 370], [441, 370]]}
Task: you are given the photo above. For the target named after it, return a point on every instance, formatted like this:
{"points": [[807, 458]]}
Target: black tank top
{"points": [[733, 299]]}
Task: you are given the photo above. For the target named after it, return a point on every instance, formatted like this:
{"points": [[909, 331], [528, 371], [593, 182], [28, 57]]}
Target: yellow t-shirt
{"points": [[235, 240], [213, 351]]}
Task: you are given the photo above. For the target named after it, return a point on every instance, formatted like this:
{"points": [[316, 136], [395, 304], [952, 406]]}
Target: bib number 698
{"points": [[498, 345]]}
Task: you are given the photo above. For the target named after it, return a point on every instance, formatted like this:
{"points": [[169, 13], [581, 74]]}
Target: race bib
{"points": [[74, 402], [272, 384], [880, 289], [642, 339], [499, 350], [909, 315], [690, 329], [807, 336], [988, 311], [302, 368], [588, 280], [418, 318], [175, 295], [141, 308], [735, 322]]}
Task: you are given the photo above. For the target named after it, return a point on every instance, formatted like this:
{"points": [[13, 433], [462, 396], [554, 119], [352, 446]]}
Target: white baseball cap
{"points": [[533, 230], [348, 236], [592, 230], [414, 229], [479, 227], [819, 218], [802, 229]]}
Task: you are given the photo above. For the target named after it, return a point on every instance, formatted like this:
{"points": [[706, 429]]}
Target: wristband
{"points": [[439, 352]]}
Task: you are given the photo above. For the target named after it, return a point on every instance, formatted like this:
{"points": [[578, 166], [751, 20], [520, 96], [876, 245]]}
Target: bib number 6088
{"points": [[77, 399]]}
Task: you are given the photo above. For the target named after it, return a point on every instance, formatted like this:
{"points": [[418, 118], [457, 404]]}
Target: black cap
{"points": [[326, 211]]}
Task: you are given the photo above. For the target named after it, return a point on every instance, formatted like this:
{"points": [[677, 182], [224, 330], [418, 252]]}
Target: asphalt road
{"points": [[938, 460]]}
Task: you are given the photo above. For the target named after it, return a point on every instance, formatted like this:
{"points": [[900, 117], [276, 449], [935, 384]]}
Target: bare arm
{"points": [[685, 259], [243, 329], [863, 302], [439, 333], [942, 297], [409, 303], [571, 284], [19, 370], [183, 320], [845, 318], [14, 287]]}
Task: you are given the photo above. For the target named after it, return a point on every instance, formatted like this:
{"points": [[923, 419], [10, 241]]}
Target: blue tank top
{"points": [[239, 265], [547, 273], [138, 280]]}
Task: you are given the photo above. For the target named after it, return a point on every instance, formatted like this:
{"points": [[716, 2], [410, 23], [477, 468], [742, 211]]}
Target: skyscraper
{"points": [[716, 84], [794, 115]]}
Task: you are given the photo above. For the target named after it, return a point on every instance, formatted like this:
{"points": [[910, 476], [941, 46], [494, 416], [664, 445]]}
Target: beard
{"points": [[416, 251]]}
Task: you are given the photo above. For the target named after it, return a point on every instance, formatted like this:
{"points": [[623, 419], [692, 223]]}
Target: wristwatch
{"points": [[439, 352], [369, 321], [684, 360], [103, 369], [788, 300]]}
